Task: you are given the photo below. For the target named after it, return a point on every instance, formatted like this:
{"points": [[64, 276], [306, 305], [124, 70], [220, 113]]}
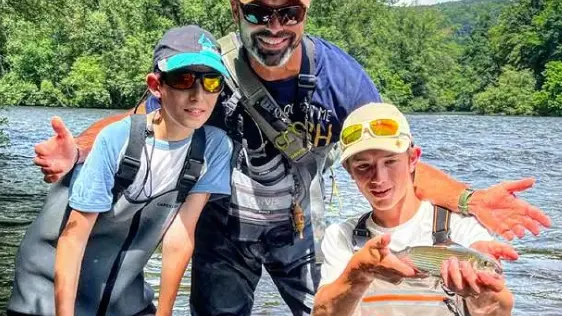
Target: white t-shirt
{"points": [[338, 249]]}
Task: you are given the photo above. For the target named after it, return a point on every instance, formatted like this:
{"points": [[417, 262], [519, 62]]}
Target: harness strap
{"points": [[193, 164], [130, 164], [262, 107], [441, 225], [361, 234]]}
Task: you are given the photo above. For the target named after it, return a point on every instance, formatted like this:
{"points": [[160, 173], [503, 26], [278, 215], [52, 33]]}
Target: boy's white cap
{"points": [[371, 112]]}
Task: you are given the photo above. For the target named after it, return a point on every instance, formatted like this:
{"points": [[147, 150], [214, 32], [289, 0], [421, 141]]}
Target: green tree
{"points": [[549, 99], [512, 94]]}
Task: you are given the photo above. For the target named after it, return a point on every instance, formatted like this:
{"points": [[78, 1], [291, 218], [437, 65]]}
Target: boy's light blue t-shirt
{"points": [[92, 184]]}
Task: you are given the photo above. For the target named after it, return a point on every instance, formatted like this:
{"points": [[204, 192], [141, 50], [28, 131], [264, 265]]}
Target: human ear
{"points": [[414, 157], [153, 84]]}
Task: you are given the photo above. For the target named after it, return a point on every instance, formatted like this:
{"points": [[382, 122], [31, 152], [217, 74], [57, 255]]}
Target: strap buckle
{"points": [[307, 81], [128, 167], [191, 173], [441, 236]]}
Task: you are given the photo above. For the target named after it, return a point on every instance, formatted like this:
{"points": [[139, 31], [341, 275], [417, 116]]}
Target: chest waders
{"points": [[121, 242], [272, 202], [410, 297]]}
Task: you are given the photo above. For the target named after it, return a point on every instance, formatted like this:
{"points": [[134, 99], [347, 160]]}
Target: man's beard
{"points": [[269, 58]]}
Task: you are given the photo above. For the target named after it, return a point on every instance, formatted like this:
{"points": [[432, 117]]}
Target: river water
{"points": [[476, 149]]}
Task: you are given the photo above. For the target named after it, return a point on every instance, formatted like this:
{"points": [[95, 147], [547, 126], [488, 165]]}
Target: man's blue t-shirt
{"points": [[342, 86]]}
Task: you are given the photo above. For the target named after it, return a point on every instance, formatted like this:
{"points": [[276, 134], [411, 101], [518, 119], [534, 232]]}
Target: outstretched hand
{"points": [[500, 211], [57, 155], [381, 263]]}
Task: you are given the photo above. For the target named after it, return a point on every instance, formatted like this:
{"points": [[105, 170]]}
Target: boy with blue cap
{"points": [[85, 252]]}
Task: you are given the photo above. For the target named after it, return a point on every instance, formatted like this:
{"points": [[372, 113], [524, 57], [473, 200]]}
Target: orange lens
{"points": [[384, 127], [351, 134]]}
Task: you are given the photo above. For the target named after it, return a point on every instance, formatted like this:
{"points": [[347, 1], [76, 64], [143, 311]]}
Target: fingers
{"points": [[470, 277], [44, 163], [518, 230], [379, 242], [536, 214], [531, 226], [518, 185], [455, 274], [445, 273], [491, 281], [503, 251], [399, 266], [503, 230], [59, 128], [45, 147], [51, 178]]}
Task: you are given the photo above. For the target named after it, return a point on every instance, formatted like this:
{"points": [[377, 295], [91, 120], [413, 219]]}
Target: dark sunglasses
{"points": [[259, 14], [211, 82]]}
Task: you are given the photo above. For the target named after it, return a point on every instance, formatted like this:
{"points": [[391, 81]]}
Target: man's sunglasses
{"points": [[378, 128], [211, 82], [258, 14]]}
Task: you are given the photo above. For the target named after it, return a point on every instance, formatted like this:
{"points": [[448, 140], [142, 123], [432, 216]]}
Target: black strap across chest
{"points": [[440, 232], [130, 164]]}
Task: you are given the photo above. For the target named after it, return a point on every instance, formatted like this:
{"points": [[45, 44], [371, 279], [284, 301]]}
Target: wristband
{"points": [[463, 201]]}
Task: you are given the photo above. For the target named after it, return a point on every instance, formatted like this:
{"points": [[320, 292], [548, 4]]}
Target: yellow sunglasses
{"points": [[378, 128]]}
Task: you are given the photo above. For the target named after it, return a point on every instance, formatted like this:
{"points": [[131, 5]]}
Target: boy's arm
{"points": [[68, 260], [374, 260], [496, 208], [177, 248]]}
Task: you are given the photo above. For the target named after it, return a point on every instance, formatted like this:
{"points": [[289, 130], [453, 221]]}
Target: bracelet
{"points": [[463, 201]]}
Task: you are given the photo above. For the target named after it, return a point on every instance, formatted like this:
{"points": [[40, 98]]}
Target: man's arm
{"points": [[58, 155], [177, 249], [68, 260], [437, 187], [496, 208], [342, 296], [85, 140]]}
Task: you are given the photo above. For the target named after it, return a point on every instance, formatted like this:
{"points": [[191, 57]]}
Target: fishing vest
{"points": [[272, 202], [121, 242], [411, 296]]}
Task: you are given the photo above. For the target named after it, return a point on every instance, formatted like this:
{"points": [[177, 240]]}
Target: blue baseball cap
{"points": [[186, 46]]}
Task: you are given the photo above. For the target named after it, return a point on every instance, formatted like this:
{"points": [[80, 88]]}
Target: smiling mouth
{"points": [[380, 193], [194, 112], [273, 42]]}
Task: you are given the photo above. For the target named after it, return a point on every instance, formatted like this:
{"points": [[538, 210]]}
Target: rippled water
{"points": [[479, 150]]}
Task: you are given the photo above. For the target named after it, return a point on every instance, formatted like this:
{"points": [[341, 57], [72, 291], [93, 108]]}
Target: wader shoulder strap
{"points": [[441, 225], [193, 164], [259, 103], [130, 164], [360, 233]]}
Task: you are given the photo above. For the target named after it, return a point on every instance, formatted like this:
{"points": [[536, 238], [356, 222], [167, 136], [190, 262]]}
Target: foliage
{"points": [[488, 56], [512, 94]]}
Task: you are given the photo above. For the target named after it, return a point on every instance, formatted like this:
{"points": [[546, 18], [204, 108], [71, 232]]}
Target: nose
{"points": [[274, 25], [380, 175], [196, 93]]}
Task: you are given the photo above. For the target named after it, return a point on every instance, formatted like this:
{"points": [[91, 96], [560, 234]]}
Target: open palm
{"points": [[501, 212]]}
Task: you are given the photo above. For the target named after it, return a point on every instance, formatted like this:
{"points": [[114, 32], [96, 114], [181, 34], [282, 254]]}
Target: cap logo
{"points": [[206, 43]]}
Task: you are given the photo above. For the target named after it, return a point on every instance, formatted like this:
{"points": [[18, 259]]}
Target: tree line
{"points": [[495, 56]]}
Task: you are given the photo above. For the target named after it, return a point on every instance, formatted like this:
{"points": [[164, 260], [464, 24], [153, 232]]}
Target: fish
{"points": [[428, 259]]}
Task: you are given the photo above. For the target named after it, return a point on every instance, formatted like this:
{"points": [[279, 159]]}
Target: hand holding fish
{"points": [[463, 279], [379, 262], [499, 210]]}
